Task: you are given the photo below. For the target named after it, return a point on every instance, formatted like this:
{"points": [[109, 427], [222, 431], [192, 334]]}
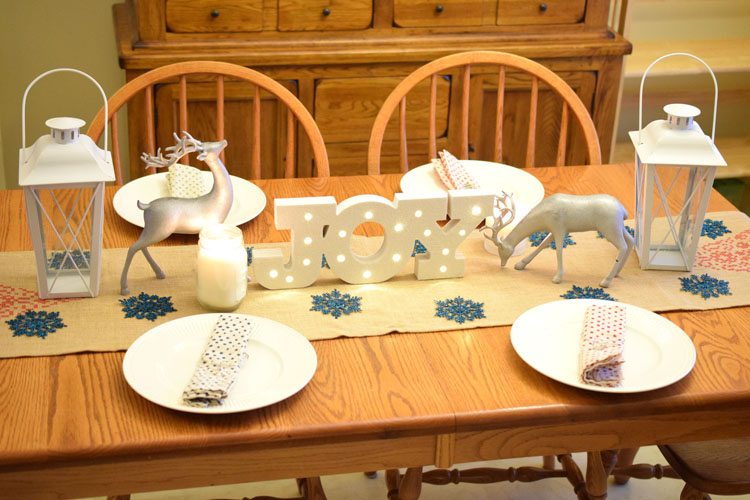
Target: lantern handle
{"points": [[26, 93], [643, 79]]}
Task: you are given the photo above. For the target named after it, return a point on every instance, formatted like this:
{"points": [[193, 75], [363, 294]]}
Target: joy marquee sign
{"points": [[319, 227]]}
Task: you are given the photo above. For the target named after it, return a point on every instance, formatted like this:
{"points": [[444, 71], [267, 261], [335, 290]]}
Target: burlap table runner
{"points": [[398, 305]]}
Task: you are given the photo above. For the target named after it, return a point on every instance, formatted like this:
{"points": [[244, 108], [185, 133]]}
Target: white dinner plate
{"points": [[657, 352], [495, 177], [248, 201], [160, 363]]}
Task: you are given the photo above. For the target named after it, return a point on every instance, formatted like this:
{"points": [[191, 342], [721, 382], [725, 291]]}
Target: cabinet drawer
{"points": [[540, 11], [345, 108], [422, 13], [214, 16], [315, 15]]}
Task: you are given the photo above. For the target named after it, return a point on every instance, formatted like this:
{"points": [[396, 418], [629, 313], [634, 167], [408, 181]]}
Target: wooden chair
{"points": [[142, 91], [721, 467], [510, 70]]}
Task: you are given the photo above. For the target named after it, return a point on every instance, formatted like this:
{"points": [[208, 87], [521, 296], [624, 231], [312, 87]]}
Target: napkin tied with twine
{"points": [[220, 362], [602, 344]]}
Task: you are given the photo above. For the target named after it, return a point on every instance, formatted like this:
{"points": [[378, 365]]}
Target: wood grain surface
{"points": [[72, 427]]}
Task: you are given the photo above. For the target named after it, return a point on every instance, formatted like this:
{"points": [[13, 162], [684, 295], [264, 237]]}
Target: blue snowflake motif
{"points": [[705, 286], [324, 262], [537, 238], [418, 248], [249, 251], [588, 292], [147, 306], [714, 228], [36, 323], [80, 259], [627, 228], [336, 304], [459, 309]]}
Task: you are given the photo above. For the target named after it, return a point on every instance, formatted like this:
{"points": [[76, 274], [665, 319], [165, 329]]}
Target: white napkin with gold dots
{"points": [[220, 362], [185, 181]]}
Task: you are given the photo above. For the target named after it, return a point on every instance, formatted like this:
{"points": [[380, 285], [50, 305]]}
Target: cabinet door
{"points": [[210, 16], [511, 12], [424, 13], [238, 124], [316, 15], [516, 118], [345, 109]]}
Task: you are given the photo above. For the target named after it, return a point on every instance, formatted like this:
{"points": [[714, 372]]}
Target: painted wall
{"points": [[39, 35]]}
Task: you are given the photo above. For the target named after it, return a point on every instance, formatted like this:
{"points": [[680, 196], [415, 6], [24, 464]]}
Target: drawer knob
{"points": [[326, 12], [215, 13], [439, 8], [542, 7]]}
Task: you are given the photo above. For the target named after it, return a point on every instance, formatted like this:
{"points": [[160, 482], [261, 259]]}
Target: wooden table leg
{"points": [[411, 484], [392, 482], [596, 476]]}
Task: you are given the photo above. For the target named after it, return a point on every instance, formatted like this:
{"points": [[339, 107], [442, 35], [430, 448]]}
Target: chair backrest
{"points": [[142, 88], [463, 62]]}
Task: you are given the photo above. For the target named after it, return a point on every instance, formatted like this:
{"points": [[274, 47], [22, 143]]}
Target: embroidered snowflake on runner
{"points": [[249, 251], [81, 260], [627, 228], [335, 303], [537, 238], [147, 306], [36, 323], [714, 228], [418, 248], [459, 309], [324, 262], [588, 292], [705, 286]]}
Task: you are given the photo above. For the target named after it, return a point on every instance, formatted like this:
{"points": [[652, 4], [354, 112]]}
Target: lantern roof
{"points": [[64, 157], [678, 140]]}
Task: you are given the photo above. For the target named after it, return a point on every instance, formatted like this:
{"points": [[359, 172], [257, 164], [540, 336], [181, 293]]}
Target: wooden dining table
{"points": [[71, 426]]}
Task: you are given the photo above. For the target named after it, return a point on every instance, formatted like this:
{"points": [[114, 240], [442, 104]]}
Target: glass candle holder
{"points": [[221, 268]]}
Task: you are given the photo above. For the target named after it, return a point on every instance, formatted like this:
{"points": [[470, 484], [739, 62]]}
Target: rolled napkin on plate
{"points": [[452, 172], [185, 181], [602, 344], [220, 362]]}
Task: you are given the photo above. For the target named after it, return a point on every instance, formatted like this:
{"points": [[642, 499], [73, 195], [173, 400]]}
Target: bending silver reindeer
{"points": [[561, 214], [165, 216]]}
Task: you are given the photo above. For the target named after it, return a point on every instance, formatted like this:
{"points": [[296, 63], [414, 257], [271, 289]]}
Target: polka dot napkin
{"points": [[452, 172], [602, 344], [220, 362], [185, 181]]}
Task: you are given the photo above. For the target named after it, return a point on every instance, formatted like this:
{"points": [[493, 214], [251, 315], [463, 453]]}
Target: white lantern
{"points": [[675, 169], [63, 176]]}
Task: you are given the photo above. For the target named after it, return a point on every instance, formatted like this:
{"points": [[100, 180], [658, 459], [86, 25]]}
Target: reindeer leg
{"points": [[544, 244], [559, 243], [624, 243], [124, 289], [157, 270]]}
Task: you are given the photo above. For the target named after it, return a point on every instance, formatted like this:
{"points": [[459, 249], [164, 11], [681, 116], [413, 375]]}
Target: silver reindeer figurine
{"points": [[561, 214], [165, 216]]}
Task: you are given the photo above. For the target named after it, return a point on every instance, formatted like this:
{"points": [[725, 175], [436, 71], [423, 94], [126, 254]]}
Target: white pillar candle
{"points": [[221, 268]]}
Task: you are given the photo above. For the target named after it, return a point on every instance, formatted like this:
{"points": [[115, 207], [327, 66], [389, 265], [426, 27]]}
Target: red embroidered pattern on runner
{"points": [[731, 253], [14, 301]]}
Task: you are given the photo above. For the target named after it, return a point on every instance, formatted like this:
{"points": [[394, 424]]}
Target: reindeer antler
{"points": [[185, 145], [505, 205]]}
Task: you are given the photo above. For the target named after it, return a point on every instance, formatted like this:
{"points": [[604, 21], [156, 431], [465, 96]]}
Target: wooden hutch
{"points": [[343, 57]]}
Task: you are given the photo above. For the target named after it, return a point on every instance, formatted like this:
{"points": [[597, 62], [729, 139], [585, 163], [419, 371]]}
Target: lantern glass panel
{"points": [[66, 222]]}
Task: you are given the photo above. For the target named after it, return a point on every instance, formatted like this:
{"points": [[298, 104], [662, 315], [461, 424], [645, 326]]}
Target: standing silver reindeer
{"points": [[561, 214], [165, 216]]}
